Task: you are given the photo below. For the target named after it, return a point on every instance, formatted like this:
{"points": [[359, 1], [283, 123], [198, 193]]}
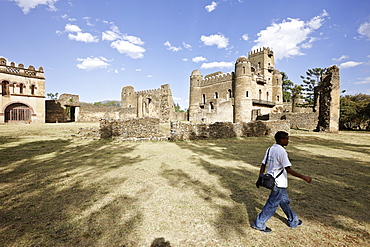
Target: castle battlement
{"points": [[20, 70], [213, 79], [268, 50]]}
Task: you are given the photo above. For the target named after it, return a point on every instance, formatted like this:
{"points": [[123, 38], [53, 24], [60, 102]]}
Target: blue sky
{"points": [[94, 48]]}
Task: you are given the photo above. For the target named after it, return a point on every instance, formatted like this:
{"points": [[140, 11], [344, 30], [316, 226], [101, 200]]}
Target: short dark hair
{"points": [[280, 135]]}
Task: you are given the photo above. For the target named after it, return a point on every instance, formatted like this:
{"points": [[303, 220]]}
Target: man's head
{"points": [[282, 138]]}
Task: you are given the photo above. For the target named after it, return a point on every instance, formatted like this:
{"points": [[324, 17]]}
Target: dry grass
{"points": [[56, 190]]}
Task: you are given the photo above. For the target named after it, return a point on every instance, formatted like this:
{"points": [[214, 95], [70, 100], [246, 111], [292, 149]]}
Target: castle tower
{"points": [[195, 97], [263, 60], [242, 83], [128, 97]]}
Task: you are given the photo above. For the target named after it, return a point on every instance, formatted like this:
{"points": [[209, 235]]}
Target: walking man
{"points": [[277, 161]]}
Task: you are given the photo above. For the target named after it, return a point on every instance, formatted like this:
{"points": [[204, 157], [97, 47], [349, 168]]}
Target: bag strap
{"points": [[267, 156], [265, 163]]}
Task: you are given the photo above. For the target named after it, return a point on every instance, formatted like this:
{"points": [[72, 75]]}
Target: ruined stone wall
{"points": [[192, 131], [298, 120], [55, 112], [91, 113], [131, 129], [329, 101]]}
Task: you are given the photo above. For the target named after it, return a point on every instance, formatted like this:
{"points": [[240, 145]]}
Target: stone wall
{"points": [[92, 113], [329, 101], [191, 131], [298, 120], [131, 129], [55, 112]]}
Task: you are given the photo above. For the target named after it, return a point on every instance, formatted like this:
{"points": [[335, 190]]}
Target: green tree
{"points": [[287, 87], [177, 107], [52, 96], [310, 81], [355, 112], [109, 103]]}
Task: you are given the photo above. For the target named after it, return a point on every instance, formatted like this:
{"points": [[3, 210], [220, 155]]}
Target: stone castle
{"points": [[22, 93], [253, 89]]}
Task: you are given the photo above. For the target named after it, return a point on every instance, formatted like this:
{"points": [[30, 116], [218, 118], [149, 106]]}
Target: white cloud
{"points": [[364, 29], [137, 69], [187, 46], [125, 44], [130, 49], [365, 80], [211, 7], [70, 28], [185, 59], [27, 5], [245, 37], [220, 65], [290, 36], [110, 35], [199, 59], [341, 58], [172, 48], [216, 39], [83, 37], [134, 40], [79, 36], [349, 64], [92, 63]]}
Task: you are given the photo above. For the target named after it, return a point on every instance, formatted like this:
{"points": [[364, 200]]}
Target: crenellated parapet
{"points": [[20, 70], [267, 50], [216, 78]]}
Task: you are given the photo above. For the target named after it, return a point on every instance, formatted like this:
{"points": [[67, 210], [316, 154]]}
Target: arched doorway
{"points": [[17, 112]]}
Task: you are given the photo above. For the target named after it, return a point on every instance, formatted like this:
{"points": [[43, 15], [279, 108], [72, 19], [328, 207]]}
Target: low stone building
{"points": [[22, 95]]}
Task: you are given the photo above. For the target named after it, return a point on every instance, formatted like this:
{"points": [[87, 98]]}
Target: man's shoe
{"points": [[266, 230], [299, 224]]}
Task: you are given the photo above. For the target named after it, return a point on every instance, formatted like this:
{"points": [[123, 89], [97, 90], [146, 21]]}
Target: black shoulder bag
{"points": [[267, 180]]}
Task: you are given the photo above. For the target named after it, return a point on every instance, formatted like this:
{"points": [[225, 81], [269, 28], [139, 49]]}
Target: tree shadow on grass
{"points": [[56, 194], [335, 198]]}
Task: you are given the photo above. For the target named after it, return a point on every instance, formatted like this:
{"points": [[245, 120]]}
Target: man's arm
{"points": [[296, 174], [262, 170]]}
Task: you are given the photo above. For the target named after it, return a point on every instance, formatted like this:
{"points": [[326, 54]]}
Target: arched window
{"points": [[243, 70], [5, 88], [267, 96], [203, 98], [247, 94], [211, 105], [33, 89], [278, 98], [216, 95], [17, 113], [260, 94], [229, 94], [21, 88]]}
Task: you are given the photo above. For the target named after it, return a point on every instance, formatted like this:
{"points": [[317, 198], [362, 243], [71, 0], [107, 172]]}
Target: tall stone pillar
{"points": [[329, 101]]}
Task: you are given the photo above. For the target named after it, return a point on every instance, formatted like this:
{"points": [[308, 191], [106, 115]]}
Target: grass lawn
{"points": [[60, 190]]}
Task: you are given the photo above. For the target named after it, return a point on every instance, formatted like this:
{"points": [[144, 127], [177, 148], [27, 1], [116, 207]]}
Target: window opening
{"points": [[21, 88], [5, 87], [17, 113]]}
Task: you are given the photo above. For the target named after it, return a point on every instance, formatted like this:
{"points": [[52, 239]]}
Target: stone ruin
{"points": [[328, 98]]}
